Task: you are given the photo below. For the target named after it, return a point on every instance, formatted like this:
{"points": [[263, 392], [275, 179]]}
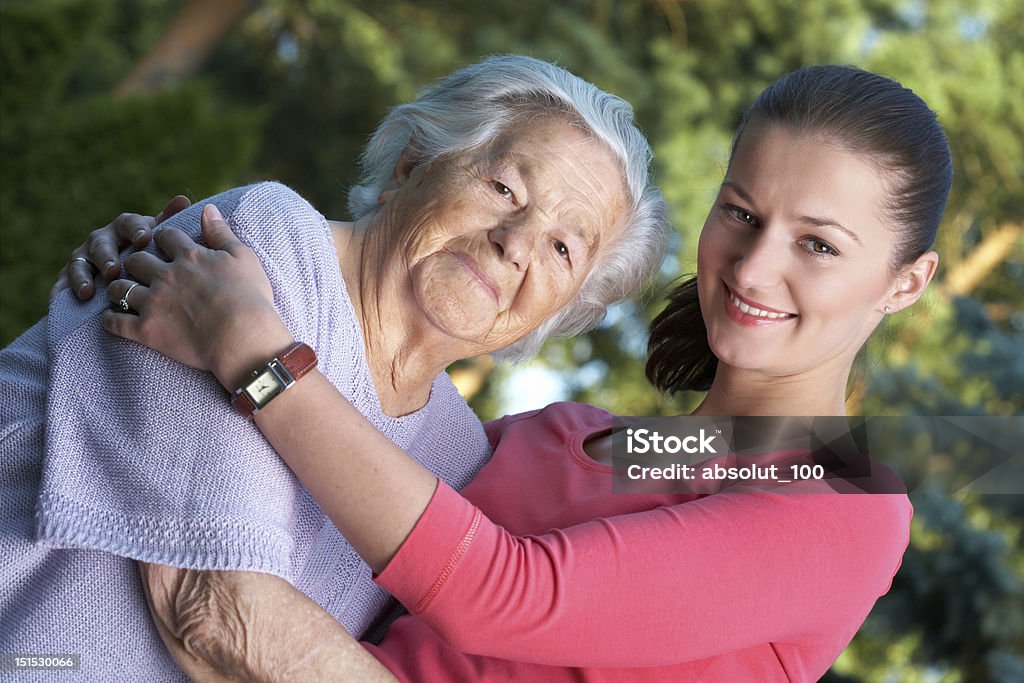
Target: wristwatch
{"points": [[270, 380]]}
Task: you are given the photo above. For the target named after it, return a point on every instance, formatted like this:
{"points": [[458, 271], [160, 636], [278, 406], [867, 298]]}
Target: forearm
{"points": [[372, 490], [231, 626], [299, 641]]}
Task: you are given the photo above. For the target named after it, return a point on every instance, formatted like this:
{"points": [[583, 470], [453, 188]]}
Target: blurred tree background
{"points": [[117, 105]]}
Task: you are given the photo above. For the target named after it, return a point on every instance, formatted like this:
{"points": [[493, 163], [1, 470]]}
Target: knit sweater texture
{"points": [[111, 452]]}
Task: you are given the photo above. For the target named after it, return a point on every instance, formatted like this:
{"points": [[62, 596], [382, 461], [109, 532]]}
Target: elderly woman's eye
{"points": [[561, 249], [742, 215], [502, 190]]}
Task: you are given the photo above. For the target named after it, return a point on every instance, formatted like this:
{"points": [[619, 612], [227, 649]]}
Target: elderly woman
{"points": [[508, 203]]}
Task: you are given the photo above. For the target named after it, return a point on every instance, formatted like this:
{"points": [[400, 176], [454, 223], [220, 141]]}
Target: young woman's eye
{"points": [[561, 249], [503, 190], [819, 248], [741, 215]]}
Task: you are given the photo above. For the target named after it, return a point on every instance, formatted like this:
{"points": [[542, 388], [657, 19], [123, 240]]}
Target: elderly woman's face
{"points": [[497, 240]]}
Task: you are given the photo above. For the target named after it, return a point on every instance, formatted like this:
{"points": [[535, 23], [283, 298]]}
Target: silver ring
{"points": [[124, 299], [92, 268]]}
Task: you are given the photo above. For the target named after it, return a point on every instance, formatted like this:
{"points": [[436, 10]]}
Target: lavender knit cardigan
{"points": [[110, 453]]}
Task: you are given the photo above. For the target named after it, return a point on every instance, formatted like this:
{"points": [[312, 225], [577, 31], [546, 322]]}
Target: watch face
{"points": [[263, 388]]}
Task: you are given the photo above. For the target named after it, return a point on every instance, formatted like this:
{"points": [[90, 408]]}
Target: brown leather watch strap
{"points": [[243, 404], [299, 358], [276, 376]]}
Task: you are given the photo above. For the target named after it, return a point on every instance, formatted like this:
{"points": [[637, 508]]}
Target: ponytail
{"points": [[678, 355]]}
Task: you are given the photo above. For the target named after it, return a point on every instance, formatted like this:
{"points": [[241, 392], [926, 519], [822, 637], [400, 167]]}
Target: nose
{"points": [[515, 243], [758, 263]]}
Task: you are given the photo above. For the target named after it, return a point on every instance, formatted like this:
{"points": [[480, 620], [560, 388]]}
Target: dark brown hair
{"points": [[863, 113]]}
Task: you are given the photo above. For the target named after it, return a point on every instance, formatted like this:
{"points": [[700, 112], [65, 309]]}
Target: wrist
{"points": [[250, 349], [268, 381]]}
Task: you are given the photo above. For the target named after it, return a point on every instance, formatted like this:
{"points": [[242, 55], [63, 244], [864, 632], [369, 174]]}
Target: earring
{"points": [[888, 309]]}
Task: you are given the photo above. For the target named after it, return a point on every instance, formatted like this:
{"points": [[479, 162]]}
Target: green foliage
{"points": [[294, 92], [40, 40], [77, 160]]}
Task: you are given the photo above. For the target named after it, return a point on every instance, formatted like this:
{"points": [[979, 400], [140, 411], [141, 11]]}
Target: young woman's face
{"points": [[793, 261]]}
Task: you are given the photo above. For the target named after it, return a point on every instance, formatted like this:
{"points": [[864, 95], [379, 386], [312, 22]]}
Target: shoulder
{"points": [[274, 200], [269, 210], [558, 418], [291, 238], [860, 537], [293, 242], [256, 212], [881, 515]]}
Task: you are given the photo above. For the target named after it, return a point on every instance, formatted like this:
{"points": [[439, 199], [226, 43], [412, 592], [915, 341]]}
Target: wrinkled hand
{"points": [[229, 626], [210, 308], [103, 247]]}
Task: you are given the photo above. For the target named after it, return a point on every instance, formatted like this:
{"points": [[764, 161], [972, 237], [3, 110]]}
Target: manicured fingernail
{"points": [[80, 286], [108, 265], [214, 212], [138, 235]]}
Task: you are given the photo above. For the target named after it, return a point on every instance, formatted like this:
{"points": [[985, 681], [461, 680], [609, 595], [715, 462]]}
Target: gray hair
{"points": [[475, 105]]}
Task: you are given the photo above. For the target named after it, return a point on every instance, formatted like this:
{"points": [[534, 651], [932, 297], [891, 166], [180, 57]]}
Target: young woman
{"points": [[537, 571]]}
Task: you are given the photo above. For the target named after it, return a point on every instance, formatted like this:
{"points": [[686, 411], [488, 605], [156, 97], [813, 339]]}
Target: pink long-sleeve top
{"points": [[538, 572]]}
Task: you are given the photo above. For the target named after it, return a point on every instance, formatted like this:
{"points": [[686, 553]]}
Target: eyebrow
{"points": [[511, 162], [589, 238], [825, 222], [738, 190], [817, 221]]}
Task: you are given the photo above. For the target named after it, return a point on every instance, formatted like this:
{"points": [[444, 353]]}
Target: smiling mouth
{"points": [[751, 311], [471, 267]]}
